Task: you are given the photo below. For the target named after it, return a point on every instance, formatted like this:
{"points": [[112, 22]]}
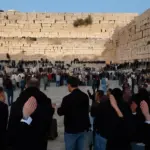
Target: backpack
{"points": [[53, 133]]}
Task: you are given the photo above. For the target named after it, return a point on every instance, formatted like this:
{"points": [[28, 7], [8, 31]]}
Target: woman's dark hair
{"points": [[1, 89], [118, 94], [143, 95], [73, 81], [100, 92], [110, 90], [103, 75], [138, 98]]}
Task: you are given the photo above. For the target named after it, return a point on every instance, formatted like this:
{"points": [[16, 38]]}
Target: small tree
{"points": [[88, 20], [78, 22], [81, 22], [32, 39]]}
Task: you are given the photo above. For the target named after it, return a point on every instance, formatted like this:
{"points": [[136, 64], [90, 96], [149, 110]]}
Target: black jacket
{"points": [[146, 135], [142, 131], [116, 130], [101, 112], [22, 136], [3, 124], [75, 108]]}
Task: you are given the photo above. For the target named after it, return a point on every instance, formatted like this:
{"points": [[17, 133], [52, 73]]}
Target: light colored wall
{"points": [[56, 35], [133, 40]]}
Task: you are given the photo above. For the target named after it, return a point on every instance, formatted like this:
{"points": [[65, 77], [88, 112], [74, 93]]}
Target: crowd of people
{"points": [[115, 119]]}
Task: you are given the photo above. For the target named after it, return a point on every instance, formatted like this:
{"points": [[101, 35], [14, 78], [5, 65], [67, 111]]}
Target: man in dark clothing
{"points": [[35, 135], [145, 130], [75, 109], [3, 118], [9, 90]]}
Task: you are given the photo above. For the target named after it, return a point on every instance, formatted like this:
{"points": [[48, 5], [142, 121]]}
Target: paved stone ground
{"points": [[56, 94]]}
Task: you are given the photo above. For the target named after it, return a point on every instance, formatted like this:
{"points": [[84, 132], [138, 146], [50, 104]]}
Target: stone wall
{"points": [[133, 41], [53, 34]]}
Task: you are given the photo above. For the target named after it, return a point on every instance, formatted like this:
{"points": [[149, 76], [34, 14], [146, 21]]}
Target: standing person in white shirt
{"points": [[17, 78], [130, 81], [13, 81]]}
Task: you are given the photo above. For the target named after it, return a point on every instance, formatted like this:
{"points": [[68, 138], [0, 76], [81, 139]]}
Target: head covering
{"points": [[118, 94], [33, 82]]}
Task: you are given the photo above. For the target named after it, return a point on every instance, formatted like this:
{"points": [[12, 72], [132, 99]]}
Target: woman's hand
{"points": [[113, 103], [145, 110], [29, 107]]}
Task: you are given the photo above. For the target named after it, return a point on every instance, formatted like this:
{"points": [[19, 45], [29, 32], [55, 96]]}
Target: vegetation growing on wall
{"points": [[8, 56], [80, 22], [32, 39], [148, 43]]}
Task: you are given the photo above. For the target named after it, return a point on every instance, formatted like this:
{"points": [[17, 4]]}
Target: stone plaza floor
{"points": [[56, 94]]}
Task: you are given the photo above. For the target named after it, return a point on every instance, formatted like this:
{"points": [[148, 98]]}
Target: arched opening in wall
{"points": [[105, 30], [101, 30]]}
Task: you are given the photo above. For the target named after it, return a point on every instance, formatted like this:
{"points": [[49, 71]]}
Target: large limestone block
{"points": [[46, 25], [146, 33], [45, 21], [26, 34], [3, 14], [145, 26], [39, 25], [31, 30], [110, 17], [43, 30], [60, 21], [22, 21], [20, 16], [32, 15], [4, 21], [11, 25]]}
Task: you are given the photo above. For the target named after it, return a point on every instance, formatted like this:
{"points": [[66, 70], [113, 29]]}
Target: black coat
{"points": [[22, 136], [75, 108], [3, 124], [142, 131], [118, 131]]}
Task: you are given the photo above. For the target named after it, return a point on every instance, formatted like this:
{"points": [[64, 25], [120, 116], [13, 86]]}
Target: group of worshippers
{"points": [[110, 123], [29, 120], [116, 120]]}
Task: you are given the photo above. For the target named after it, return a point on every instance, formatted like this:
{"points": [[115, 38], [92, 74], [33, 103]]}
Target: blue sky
{"points": [[138, 6]]}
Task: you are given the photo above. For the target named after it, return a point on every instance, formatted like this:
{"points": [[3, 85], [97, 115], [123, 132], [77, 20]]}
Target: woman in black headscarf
{"points": [[121, 122], [139, 119]]}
